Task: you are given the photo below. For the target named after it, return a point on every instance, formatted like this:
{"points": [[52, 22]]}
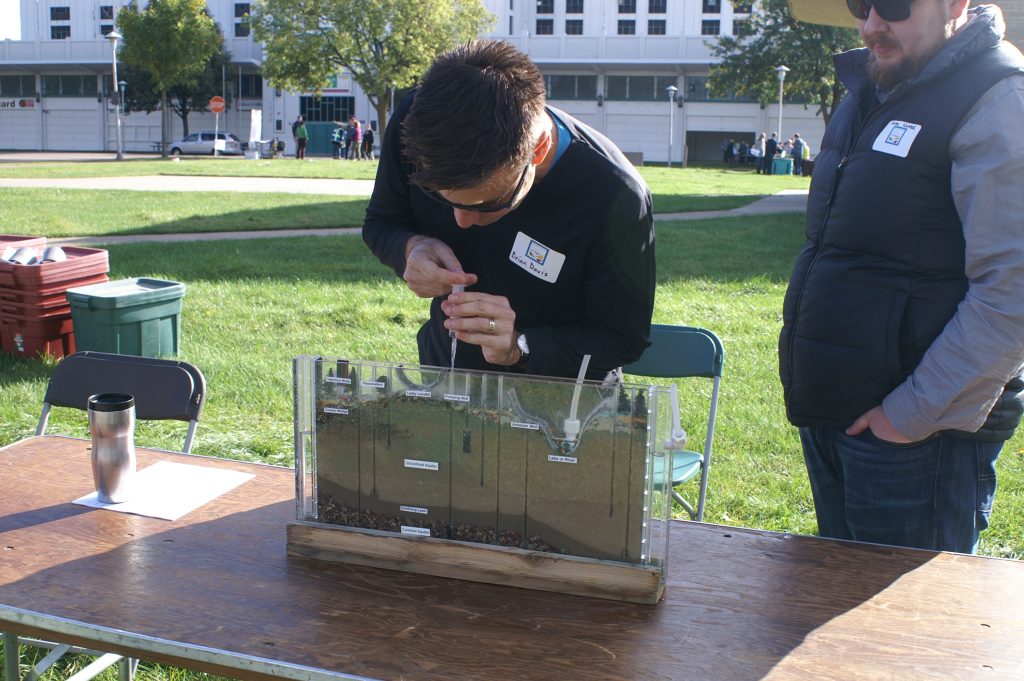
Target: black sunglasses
{"points": [[890, 10], [484, 208]]}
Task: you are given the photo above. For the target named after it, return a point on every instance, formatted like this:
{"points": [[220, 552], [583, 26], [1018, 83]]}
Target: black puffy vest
{"points": [[882, 271]]}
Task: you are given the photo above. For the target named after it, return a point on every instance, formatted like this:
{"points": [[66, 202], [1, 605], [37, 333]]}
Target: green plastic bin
{"points": [[129, 316]]}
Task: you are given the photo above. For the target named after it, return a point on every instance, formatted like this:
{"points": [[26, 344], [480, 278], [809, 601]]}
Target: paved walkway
{"points": [[787, 201]]}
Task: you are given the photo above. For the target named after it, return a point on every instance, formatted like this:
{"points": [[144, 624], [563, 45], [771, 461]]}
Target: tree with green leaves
{"points": [[182, 100], [774, 38], [385, 44], [173, 41]]}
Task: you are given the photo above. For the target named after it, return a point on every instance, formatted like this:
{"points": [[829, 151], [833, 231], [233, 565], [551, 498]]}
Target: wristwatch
{"points": [[524, 351]]}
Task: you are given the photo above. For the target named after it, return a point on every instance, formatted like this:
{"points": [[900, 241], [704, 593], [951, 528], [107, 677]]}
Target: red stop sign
{"points": [[217, 104]]}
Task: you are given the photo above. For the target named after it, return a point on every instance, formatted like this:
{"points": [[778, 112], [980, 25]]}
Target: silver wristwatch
{"points": [[524, 349]]}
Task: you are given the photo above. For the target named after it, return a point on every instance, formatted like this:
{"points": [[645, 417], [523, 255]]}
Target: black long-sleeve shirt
{"points": [[592, 208]]}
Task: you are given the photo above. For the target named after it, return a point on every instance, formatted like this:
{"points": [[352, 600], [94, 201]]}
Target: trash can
{"points": [[782, 166], [138, 316]]}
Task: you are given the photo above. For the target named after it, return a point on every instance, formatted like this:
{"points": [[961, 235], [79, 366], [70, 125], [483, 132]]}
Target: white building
{"points": [[608, 62]]}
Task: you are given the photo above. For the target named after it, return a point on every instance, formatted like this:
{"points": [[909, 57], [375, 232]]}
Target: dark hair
{"points": [[474, 113]]}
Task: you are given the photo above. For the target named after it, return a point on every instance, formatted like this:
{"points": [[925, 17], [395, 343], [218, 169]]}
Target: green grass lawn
{"points": [[56, 212]]}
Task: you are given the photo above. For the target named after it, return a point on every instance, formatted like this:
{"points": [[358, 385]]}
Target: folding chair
{"points": [[163, 389], [684, 352]]}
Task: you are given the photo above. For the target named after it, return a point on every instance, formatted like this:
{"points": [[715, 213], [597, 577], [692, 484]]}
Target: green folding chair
{"points": [[684, 352]]}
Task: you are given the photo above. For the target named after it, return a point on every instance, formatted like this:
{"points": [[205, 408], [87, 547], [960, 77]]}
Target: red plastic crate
{"points": [[81, 263], [15, 241], [24, 338], [50, 296]]}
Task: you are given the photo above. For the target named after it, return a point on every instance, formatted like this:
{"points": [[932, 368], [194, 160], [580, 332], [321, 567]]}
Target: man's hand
{"points": [[879, 423], [484, 320], [431, 268]]}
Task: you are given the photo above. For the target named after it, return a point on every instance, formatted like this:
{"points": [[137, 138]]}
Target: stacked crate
{"points": [[35, 317]]}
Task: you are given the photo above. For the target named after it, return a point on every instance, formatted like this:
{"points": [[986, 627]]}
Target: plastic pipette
{"points": [[457, 288]]}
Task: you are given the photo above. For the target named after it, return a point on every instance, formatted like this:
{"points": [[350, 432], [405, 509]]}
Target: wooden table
{"points": [[215, 591]]}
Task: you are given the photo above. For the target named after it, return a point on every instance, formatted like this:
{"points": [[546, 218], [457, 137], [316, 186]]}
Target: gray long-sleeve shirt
{"points": [[964, 371]]}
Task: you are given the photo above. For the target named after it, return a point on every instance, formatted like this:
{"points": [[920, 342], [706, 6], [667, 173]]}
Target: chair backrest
{"points": [[680, 351], [163, 389]]}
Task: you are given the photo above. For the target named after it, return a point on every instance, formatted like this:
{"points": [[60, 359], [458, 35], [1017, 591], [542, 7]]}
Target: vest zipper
{"points": [[814, 259]]}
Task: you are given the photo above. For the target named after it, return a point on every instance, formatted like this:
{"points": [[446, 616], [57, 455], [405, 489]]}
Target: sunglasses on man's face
{"points": [[890, 10], [483, 207]]}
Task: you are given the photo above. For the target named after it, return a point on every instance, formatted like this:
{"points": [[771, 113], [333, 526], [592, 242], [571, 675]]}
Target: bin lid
{"points": [[125, 292]]}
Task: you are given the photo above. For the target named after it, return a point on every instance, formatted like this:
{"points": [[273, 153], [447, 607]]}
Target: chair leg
{"points": [[682, 502], [12, 657], [126, 668]]}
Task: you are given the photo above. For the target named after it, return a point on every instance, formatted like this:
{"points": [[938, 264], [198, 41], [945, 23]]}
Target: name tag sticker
{"points": [[896, 138], [536, 258]]}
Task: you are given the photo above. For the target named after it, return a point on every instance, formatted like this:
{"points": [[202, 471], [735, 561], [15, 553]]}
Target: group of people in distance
{"points": [[901, 353], [764, 150], [350, 141]]}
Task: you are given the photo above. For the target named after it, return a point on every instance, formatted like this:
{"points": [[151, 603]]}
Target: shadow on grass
{"points": [[18, 370]]}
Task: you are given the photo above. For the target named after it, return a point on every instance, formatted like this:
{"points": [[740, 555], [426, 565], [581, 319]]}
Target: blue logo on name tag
{"points": [[537, 253]]}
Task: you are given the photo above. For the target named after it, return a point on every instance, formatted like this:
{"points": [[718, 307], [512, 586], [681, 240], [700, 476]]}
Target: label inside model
{"points": [[456, 398], [335, 410], [374, 384], [339, 379], [416, 531], [422, 465], [525, 425], [413, 509], [561, 459], [418, 393]]}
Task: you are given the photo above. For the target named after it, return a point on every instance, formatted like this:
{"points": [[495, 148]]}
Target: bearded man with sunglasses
{"points": [[540, 217], [902, 345]]}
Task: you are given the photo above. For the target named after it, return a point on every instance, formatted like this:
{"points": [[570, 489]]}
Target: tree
{"points": [[774, 37], [173, 41], [385, 44], [182, 100]]}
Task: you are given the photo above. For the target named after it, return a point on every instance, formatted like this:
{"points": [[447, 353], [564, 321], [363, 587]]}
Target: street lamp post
{"points": [[671, 90], [114, 36], [120, 110], [781, 71]]}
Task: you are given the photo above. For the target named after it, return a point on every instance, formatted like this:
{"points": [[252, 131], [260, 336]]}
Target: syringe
{"points": [[456, 288]]}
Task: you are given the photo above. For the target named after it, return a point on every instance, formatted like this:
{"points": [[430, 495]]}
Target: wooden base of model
{"points": [[477, 562]]}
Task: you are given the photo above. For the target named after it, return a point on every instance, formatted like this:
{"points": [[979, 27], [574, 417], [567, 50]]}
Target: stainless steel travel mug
{"points": [[112, 426]]}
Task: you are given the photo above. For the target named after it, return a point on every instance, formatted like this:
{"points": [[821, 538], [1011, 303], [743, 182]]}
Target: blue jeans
{"points": [[935, 494]]}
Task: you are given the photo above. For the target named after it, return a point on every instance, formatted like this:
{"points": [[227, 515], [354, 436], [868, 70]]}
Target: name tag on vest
{"points": [[896, 138], [536, 258]]}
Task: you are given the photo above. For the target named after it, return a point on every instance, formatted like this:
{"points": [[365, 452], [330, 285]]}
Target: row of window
{"points": [[250, 86], [740, 27], [626, 88], [62, 31], [629, 6]]}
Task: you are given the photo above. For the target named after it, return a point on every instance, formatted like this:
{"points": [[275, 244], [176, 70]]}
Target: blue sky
{"points": [[10, 25]]}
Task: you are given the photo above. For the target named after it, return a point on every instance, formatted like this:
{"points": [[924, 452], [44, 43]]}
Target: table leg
{"points": [[12, 657]]}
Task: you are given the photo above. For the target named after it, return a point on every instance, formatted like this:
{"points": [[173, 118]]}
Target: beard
{"points": [[888, 76]]}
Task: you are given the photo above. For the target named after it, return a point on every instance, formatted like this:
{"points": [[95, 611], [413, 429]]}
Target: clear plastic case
{"points": [[490, 458]]}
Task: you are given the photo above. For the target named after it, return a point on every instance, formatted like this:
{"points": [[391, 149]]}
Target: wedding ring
{"points": [[490, 326]]}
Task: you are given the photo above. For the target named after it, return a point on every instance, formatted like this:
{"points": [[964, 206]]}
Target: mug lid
{"points": [[111, 401]]}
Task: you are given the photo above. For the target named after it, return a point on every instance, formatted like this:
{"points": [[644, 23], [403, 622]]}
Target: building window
{"points": [[655, 27], [574, 26], [242, 30], [574, 6], [250, 86], [106, 12], [60, 32], [545, 26], [326, 109], [638, 88], [60, 14], [17, 86], [571, 87], [627, 27], [712, 6], [741, 7], [627, 7], [545, 6], [710, 27], [697, 88], [106, 29], [69, 86], [241, 10], [510, 26], [742, 28], [656, 6]]}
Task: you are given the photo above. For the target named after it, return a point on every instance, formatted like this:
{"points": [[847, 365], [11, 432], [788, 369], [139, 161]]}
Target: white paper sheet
{"points": [[169, 490]]}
